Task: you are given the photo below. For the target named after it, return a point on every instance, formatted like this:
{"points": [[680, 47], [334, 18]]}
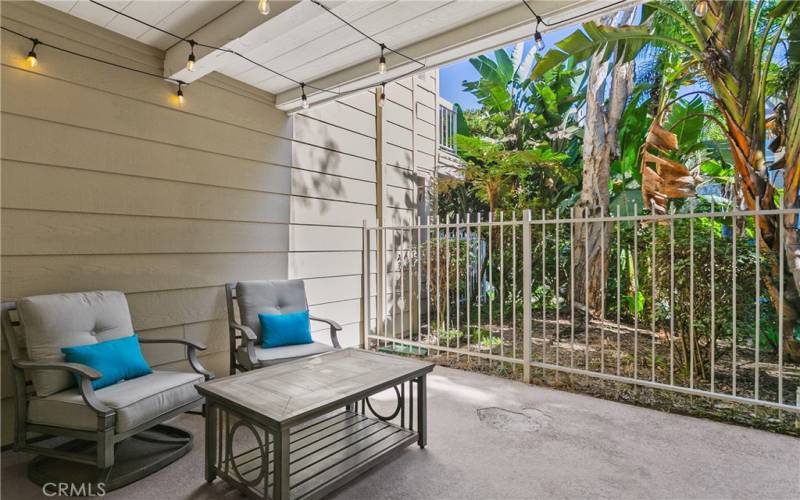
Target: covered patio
{"points": [[495, 438], [164, 152]]}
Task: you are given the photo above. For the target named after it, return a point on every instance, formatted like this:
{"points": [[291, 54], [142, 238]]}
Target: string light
{"points": [[264, 7], [31, 59], [701, 8], [303, 99], [368, 37], [382, 61], [382, 98], [190, 62], [538, 36]]}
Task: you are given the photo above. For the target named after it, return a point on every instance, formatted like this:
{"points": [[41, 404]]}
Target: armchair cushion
{"points": [[269, 297], [116, 359], [51, 322], [136, 401], [275, 355]]}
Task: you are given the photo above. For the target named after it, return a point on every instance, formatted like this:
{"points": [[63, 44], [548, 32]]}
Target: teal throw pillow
{"points": [[285, 329], [116, 359]]}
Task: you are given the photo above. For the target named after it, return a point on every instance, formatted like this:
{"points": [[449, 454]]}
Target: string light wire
{"points": [[302, 85], [379, 44], [40, 43], [571, 18], [195, 43]]}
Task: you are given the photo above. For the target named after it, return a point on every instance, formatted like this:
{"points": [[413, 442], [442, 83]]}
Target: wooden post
{"points": [[380, 234]]}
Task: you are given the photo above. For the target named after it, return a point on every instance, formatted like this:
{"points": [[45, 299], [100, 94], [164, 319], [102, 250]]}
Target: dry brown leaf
{"points": [[661, 138]]}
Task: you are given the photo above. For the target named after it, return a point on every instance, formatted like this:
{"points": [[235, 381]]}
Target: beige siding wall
{"points": [[334, 189], [108, 184], [333, 192]]}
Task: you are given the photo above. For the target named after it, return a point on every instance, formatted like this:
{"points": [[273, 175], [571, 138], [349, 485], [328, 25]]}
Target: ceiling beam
{"points": [[241, 29], [490, 32]]}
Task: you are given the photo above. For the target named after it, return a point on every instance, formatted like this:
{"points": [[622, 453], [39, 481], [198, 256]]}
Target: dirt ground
{"points": [[630, 352]]}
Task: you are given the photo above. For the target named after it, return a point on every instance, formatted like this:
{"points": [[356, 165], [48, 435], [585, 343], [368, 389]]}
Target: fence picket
{"points": [[465, 313]]}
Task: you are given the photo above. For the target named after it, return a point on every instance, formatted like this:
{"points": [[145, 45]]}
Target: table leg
{"points": [[280, 489], [211, 441], [422, 413]]}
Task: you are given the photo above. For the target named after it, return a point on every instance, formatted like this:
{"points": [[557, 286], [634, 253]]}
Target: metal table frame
{"points": [[309, 455]]}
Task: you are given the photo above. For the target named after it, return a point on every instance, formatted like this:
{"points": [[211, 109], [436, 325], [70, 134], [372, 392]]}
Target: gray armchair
{"points": [[276, 296], [59, 401]]}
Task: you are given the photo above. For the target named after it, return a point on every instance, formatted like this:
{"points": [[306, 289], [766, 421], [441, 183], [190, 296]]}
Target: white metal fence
{"points": [[683, 303]]}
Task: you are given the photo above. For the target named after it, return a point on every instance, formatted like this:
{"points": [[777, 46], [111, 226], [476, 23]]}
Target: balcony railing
{"points": [[447, 129], [681, 303]]}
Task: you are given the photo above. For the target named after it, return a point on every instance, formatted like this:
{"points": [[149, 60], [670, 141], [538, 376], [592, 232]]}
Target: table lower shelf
{"points": [[324, 454]]}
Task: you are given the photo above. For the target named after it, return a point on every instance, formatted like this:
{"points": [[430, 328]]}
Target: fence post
{"points": [[365, 292], [526, 296]]}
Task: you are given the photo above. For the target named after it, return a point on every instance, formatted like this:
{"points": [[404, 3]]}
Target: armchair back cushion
{"points": [[51, 322], [268, 297]]}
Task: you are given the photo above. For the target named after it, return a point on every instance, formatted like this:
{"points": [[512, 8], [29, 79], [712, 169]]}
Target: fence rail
{"points": [[679, 302]]}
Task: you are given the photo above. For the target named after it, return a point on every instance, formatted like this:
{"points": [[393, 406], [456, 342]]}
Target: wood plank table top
{"points": [[287, 393]]}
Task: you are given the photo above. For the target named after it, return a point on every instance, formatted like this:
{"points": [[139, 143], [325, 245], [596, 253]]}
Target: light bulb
{"points": [[180, 95], [263, 7], [190, 62], [701, 8], [303, 99], [382, 61], [31, 59], [539, 40]]}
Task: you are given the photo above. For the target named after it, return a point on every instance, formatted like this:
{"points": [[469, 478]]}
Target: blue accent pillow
{"points": [[116, 359], [285, 329]]}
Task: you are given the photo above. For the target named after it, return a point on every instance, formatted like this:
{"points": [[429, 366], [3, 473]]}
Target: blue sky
{"points": [[451, 76]]}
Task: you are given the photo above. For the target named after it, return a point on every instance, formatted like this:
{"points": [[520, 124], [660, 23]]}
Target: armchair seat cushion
{"points": [[275, 355], [136, 401]]}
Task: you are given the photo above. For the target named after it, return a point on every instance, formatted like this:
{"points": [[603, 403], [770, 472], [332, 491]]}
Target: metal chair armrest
{"points": [[246, 330], [78, 368], [85, 376], [248, 339], [191, 353], [188, 343], [335, 327]]}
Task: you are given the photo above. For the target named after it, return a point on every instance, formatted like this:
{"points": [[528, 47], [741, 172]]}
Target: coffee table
{"points": [[304, 428]]}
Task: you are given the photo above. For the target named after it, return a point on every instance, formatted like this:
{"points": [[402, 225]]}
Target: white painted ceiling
{"points": [[303, 41], [324, 45], [182, 17]]}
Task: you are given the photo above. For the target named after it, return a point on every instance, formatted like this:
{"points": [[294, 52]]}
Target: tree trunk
{"points": [[791, 175], [730, 71], [608, 89]]}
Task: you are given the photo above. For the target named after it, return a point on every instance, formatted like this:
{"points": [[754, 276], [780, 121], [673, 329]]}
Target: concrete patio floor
{"points": [[496, 439]]}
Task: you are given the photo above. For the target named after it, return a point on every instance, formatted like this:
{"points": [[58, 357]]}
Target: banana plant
{"points": [[734, 46], [520, 112]]}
